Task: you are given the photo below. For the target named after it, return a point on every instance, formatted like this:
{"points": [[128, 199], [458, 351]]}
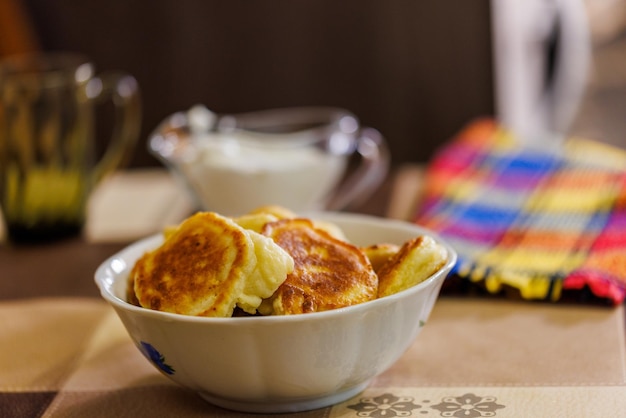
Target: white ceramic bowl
{"points": [[280, 363]]}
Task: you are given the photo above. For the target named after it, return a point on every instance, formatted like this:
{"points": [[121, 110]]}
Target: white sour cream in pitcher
{"points": [[232, 177]]}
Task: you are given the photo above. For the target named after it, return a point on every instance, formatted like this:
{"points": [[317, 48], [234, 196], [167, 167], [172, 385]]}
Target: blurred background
{"points": [[417, 71]]}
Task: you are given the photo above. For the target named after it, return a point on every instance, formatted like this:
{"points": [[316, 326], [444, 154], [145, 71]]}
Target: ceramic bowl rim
{"points": [[105, 279]]}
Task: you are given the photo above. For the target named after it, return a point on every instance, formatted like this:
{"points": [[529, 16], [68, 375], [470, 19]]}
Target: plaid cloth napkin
{"points": [[544, 224]]}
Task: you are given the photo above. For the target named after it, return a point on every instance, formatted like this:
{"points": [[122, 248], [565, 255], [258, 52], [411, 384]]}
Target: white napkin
{"points": [[135, 203]]}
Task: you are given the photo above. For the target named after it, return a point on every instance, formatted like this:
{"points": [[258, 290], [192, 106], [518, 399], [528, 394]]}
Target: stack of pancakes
{"points": [[271, 262]]}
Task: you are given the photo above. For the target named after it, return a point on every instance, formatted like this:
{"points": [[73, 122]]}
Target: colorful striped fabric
{"points": [[545, 223]]}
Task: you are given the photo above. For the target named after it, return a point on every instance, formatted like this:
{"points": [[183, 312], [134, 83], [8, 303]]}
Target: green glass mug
{"points": [[48, 159]]}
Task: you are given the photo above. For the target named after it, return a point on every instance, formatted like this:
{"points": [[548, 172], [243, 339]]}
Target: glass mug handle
{"points": [[368, 176], [122, 89]]}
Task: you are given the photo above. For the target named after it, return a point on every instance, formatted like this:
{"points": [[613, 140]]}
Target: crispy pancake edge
{"points": [[331, 275]]}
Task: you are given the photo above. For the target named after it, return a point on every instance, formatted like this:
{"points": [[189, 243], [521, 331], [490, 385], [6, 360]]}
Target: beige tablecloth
{"points": [[73, 358]]}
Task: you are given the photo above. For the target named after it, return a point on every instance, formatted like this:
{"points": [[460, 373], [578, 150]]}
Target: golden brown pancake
{"points": [[256, 218], [169, 230], [329, 273], [331, 228], [416, 261], [255, 222], [273, 265], [379, 254], [204, 266]]}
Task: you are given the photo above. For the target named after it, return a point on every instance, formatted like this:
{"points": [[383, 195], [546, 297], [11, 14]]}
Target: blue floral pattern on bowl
{"points": [[155, 357]]}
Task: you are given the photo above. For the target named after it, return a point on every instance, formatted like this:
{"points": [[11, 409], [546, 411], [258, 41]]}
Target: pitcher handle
{"points": [[122, 89], [368, 175]]}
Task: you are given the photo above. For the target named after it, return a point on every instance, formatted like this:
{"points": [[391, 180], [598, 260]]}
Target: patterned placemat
{"points": [[72, 358], [540, 224]]}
